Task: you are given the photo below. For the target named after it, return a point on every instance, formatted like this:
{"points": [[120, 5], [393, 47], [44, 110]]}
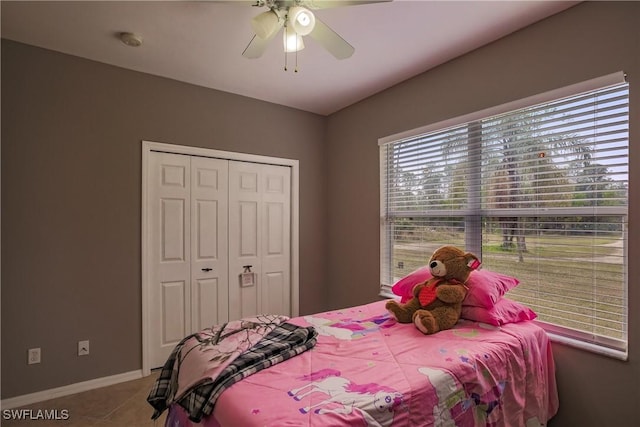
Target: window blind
{"points": [[540, 193]]}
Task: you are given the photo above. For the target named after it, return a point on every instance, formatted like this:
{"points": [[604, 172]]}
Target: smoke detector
{"points": [[131, 39]]}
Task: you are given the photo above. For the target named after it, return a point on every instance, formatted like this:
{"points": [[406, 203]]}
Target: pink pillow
{"points": [[404, 286], [505, 311], [485, 287]]}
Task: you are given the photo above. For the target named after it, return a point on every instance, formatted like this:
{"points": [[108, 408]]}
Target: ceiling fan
{"points": [[297, 20]]}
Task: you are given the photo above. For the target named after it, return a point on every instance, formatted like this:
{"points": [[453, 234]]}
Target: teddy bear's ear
{"points": [[473, 261]]}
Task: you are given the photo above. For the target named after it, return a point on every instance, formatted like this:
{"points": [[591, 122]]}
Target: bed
{"points": [[359, 367]]}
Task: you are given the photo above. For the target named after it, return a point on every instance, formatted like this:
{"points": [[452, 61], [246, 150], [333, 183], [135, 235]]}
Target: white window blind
{"points": [[539, 193]]}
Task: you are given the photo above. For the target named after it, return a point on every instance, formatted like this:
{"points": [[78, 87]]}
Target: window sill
{"points": [[387, 295], [593, 348]]}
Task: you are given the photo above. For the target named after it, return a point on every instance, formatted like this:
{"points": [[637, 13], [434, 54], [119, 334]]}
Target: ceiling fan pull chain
{"points": [[296, 69], [286, 54], [285, 50]]}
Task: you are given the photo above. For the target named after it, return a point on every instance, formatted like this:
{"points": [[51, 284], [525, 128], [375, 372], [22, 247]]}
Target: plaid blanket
{"points": [[283, 342]]}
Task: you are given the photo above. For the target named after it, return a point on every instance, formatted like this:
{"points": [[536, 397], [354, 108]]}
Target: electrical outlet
{"points": [[33, 356], [83, 348]]}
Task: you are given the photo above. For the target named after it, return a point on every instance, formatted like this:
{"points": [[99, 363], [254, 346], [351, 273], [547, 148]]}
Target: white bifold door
{"points": [[210, 221]]}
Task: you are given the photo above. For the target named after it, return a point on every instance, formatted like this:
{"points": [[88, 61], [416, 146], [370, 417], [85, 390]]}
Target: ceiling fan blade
{"points": [[255, 48], [325, 4], [258, 45], [331, 41]]}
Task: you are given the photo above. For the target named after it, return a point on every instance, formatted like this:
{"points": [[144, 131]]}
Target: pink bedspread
{"points": [[368, 370]]}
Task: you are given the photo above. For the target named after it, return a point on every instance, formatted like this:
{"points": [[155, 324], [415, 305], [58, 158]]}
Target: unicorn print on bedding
{"points": [[375, 403], [350, 328], [457, 405]]}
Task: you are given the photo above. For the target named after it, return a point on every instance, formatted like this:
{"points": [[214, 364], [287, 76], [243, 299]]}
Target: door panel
{"points": [[173, 315], [244, 237], [248, 229], [259, 235], [173, 229], [273, 293], [209, 293], [207, 223], [169, 247], [209, 263], [276, 258], [275, 228]]}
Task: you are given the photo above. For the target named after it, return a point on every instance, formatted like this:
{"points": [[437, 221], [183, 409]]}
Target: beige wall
{"points": [[71, 197], [589, 40]]}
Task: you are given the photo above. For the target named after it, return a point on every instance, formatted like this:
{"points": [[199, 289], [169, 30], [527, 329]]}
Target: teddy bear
{"points": [[437, 303]]}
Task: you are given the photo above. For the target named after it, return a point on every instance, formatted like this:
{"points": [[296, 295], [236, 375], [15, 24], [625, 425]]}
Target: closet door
{"points": [[207, 219], [259, 236]]}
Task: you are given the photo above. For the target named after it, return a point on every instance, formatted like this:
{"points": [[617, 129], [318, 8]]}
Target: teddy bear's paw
{"points": [[392, 307], [425, 322], [391, 304]]}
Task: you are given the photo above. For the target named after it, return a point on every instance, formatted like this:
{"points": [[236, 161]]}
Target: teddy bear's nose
{"points": [[433, 264]]}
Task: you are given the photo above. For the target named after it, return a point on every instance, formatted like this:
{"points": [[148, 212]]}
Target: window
{"points": [[539, 192]]}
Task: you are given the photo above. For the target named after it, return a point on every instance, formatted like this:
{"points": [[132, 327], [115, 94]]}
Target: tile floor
{"points": [[119, 405]]}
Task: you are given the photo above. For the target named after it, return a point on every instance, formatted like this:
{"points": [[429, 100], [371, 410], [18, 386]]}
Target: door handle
{"points": [[207, 269]]}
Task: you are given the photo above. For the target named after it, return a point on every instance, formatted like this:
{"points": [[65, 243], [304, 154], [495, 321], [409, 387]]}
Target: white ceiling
{"points": [[202, 42]]}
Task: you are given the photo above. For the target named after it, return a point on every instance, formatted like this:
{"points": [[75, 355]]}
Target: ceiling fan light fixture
{"points": [[301, 20], [266, 24], [292, 41]]}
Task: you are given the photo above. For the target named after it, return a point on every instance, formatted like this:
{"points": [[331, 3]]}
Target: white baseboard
{"points": [[28, 399]]}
